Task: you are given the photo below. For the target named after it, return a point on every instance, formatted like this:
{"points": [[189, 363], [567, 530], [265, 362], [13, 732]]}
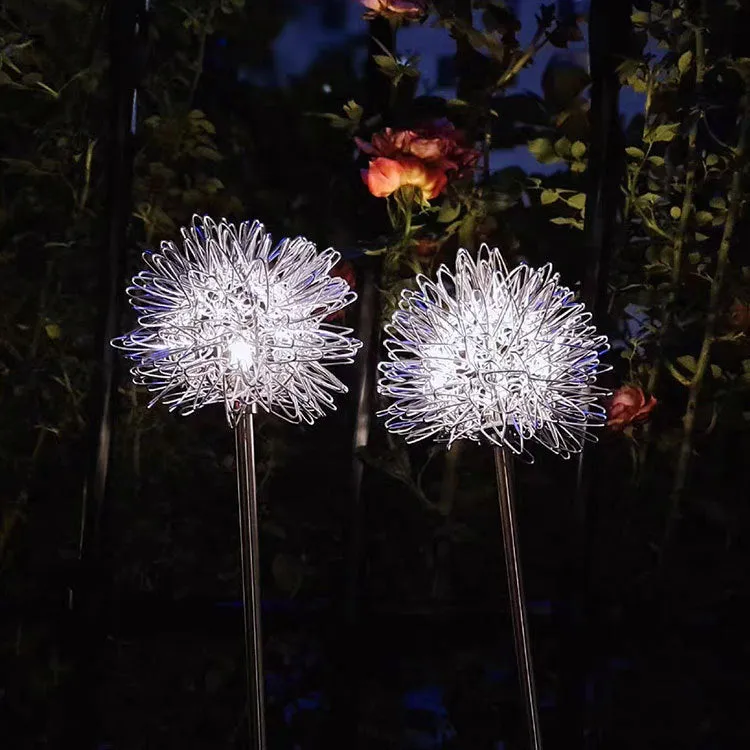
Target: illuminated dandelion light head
{"points": [[230, 318], [488, 353]]}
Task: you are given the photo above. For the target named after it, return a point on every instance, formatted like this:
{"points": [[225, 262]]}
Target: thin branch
{"points": [[201, 53], [709, 332], [678, 250]]}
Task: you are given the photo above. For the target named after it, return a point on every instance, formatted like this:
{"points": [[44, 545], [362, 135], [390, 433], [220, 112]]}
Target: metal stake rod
{"points": [[250, 560], [503, 468]]}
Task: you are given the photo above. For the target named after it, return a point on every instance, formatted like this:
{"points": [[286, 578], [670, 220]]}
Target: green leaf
{"points": [[675, 212], [636, 153], [640, 18], [387, 64], [205, 125], [448, 212], [683, 64], [578, 150], [704, 217], [562, 147], [716, 371], [353, 110], [543, 151], [577, 201], [699, 237], [688, 362], [662, 133], [657, 161], [712, 160], [567, 221], [205, 152], [549, 196], [53, 330], [651, 198], [718, 203]]}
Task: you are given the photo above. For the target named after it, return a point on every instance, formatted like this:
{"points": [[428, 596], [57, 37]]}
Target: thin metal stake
{"points": [[503, 468], [250, 559]]}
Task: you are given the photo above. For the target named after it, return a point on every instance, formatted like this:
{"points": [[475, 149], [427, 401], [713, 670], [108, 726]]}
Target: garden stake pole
{"points": [[250, 565], [521, 637]]}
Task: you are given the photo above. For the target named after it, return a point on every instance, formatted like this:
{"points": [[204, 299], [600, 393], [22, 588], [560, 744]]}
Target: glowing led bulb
{"points": [[240, 354]]}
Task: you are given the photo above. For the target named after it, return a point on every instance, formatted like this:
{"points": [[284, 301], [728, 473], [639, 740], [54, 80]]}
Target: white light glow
{"points": [[230, 318], [488, 353]]}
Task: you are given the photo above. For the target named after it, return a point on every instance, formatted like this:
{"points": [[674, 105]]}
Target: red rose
{"points": [[628, 405]]}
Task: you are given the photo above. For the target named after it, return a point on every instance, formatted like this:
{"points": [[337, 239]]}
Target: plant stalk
{"points": [[709, 332], [678, 250]]}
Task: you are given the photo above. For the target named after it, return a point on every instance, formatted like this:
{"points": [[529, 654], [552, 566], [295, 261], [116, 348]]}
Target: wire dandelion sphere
{"points": [[488, 353], [233, 319]]}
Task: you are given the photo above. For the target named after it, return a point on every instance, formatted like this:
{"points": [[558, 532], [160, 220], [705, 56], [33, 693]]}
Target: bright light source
{"points": [[232, 319], [241, 354], [484, 352]]}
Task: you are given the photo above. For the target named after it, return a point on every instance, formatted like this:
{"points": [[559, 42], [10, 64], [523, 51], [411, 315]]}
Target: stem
{"points": [[201, 55], [709, 332], [516, 597], [537, 43], [486, 150], [250, 568], [408, 210], [631, 196]]}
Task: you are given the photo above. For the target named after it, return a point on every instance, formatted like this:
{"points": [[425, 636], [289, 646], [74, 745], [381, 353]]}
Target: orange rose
{"points": [[438, 144], [385, 176], [407, 10], [628, 405]]}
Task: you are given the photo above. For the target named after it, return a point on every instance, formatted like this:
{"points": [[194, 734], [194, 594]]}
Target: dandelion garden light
{"points": [[231, 318], [486, 353], [503, 357]]}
